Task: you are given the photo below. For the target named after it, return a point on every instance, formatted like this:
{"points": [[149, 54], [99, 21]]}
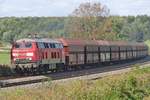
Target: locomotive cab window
{"points": [[23, 45]]}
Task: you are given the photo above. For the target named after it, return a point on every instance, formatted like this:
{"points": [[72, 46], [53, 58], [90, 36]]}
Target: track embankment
{"points": [[86, 74]]}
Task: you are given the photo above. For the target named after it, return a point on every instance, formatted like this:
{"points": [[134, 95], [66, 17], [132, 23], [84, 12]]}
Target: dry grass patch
{"points": [[133, 85]]}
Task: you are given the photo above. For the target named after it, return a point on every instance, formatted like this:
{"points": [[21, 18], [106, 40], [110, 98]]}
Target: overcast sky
{"points": [[64, 7]]}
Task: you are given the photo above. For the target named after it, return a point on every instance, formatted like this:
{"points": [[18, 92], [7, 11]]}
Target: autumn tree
{"points": [[88, 21]]}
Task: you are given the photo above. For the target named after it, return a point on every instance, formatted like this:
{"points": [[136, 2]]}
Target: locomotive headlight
{"points": [[15, 54], [29, 54], [14, 59], [30, 58]]}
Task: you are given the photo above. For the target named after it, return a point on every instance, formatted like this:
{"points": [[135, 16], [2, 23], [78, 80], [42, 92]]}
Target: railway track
{"points": [[88, 74]]}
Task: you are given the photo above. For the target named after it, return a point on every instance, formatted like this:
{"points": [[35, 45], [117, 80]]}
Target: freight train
{"points": [[42, 55]]}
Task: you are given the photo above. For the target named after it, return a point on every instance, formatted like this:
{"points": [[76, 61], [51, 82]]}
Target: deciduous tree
{"points": [[87, 21]]}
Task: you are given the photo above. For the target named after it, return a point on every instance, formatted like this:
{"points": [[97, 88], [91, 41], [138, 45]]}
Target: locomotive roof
{"points": [[39, 40]]}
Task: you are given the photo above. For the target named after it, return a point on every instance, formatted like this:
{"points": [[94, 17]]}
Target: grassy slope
{"points": [[148, 42], [4, 58], [4, 53], [134, 85]]}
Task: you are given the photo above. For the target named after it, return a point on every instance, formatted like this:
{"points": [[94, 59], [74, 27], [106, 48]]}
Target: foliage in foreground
{"points": [[134, 85]]}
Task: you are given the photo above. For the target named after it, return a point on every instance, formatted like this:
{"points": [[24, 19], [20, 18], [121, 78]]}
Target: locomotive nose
{"points": [[28, 54], [23, 51], [23, 56]]}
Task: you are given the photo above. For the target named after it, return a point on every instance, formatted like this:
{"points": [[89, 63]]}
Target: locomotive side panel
{"points": [[50, 53]]}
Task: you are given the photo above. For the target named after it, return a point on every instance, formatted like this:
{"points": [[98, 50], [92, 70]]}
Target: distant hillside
{"points": [[14, 28], [119, 28]]}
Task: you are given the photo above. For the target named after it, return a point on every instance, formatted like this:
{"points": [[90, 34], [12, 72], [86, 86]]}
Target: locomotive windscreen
{"points": [[23, 45]]}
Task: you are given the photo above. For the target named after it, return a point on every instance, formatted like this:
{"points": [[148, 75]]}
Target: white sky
{"points": [[65, 7]]}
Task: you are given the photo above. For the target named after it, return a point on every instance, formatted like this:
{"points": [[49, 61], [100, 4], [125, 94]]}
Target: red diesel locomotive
{"points": [[42, 55], [36, 54]]}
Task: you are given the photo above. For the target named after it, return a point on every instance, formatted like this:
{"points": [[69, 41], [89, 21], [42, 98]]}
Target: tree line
{"points": [[88, 21]]}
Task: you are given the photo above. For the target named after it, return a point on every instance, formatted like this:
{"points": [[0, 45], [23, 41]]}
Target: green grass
{"points": [[133, 85], [148, 43], [4, 58]]}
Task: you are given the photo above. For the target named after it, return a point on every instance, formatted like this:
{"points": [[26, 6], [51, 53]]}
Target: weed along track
{"points": [[85, 74]]}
